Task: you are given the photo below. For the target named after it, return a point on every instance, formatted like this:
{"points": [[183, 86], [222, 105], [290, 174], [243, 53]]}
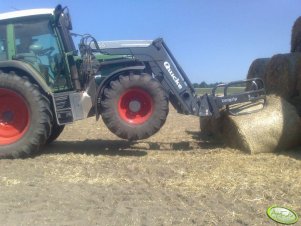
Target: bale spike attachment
{"points": [[235, 102]]}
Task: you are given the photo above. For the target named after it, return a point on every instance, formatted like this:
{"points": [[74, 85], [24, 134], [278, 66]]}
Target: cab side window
{"points": [[37, 44], [3, 53]]}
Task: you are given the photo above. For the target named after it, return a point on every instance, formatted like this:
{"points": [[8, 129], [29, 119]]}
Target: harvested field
{"points": [[90, 177]]}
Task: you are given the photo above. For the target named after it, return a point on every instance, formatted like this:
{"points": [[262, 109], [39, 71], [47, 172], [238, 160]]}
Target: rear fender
{"points": [[25, 70]]}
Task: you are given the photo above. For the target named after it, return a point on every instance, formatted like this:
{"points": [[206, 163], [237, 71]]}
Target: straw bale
{"points": [[296, 36], [282, 73], [297, 71], [296, 101], [258, 69], [276, 127]]}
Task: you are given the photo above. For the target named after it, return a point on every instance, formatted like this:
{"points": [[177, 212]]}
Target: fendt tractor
{"points": [[46, 83]]}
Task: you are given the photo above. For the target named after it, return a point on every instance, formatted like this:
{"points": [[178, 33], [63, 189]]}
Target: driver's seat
{"points": [[29, 54]]}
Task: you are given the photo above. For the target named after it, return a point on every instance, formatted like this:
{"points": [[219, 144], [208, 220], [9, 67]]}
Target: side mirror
{"points": [[63, 14], [67, 19], [57, 13]]}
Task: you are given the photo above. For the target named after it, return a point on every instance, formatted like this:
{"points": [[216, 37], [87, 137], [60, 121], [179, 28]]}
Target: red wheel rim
{"points": [[14, 116], [135, 106]]}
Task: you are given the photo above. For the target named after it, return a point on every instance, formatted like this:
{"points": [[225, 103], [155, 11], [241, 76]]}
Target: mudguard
{"points": [[14, 65], [109, 78]]}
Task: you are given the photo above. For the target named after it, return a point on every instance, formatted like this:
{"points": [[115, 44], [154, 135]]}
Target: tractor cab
{"points": [[41, 39]]}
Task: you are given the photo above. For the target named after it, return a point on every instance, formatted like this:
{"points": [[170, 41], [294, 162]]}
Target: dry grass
{"points": [[91, 177]]}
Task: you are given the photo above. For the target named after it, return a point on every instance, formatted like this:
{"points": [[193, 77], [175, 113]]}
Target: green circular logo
{"points": [[282, 215]]}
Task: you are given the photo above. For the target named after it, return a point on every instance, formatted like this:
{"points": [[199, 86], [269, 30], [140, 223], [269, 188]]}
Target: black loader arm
{"points": [[156, 55], [163, 65]]}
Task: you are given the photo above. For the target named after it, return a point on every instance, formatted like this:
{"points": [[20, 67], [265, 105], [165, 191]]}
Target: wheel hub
{"points": [[135, 106], [14, 116]]}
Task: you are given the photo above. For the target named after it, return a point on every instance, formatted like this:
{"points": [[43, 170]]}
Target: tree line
{"points": [[205, 85], [212, 85]]}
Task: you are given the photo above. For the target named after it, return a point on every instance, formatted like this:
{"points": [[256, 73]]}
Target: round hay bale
{"points": [[282, 73], [297, 70], [258, 68], [296, 36], [276, 127], [296, 101]]}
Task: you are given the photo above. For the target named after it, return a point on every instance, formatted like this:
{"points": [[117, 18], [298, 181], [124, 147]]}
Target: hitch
{"points": [[236, 103]]}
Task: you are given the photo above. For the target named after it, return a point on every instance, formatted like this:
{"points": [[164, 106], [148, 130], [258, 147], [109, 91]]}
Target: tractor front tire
{"points": [[134, 106], [25, 117]]}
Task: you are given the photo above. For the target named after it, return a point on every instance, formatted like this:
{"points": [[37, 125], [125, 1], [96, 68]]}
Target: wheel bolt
{"points": [[134, 106]]}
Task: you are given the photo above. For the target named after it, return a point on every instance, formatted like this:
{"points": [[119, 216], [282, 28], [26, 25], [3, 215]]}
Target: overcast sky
{"points": [[213, 40]]}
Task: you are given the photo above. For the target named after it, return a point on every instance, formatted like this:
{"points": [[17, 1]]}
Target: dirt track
{"points": [[90, 177]]}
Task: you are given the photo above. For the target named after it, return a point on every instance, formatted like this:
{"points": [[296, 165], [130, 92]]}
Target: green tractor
{"points": [[46, 83]]}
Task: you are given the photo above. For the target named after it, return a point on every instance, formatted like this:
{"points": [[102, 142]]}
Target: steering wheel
{"points": [[39, 51], [47, 51]]}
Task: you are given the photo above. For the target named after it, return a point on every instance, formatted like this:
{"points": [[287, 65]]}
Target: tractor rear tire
{"points": [[55, 133], [25, 117], [134, 107]]}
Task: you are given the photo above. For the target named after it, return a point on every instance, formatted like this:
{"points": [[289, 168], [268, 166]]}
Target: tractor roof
{"points": [[25, 13]]}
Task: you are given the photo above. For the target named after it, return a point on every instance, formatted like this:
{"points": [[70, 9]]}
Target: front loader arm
{"points": [[167, 70], [164, 67]]}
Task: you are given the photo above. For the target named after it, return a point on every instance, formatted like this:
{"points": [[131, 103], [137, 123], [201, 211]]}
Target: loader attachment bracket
{"points": [[248, 100]]}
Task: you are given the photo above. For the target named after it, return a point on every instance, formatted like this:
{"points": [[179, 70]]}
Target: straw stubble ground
{"points": [[90, 177]]}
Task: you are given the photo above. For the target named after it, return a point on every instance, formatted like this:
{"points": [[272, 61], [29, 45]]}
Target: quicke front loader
{"points": [[45, 83]]}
